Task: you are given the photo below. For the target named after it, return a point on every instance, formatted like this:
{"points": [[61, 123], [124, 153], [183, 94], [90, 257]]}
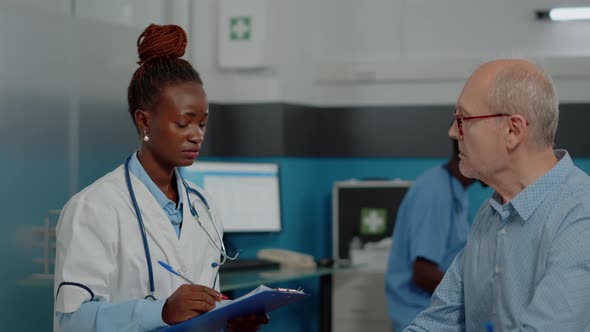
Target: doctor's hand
{"points": [[248, 323], [188, 301]]}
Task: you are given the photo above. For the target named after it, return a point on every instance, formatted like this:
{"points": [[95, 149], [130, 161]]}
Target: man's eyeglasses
{"points": [[460, 119]]}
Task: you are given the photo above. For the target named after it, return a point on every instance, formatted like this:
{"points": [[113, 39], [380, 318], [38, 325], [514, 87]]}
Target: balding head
{"points": [[521, 87]]}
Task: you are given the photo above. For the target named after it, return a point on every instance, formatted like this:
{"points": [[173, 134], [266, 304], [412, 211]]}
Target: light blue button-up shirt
{"points": [[431, 223], [526, 265], [134, 315], [173, 212]]}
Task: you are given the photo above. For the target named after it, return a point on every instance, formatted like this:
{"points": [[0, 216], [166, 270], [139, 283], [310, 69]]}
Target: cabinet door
{"points": [[358, 301], [351, 325]]}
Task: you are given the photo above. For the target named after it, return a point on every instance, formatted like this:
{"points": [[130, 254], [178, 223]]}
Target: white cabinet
{"points": [[358, 302]]}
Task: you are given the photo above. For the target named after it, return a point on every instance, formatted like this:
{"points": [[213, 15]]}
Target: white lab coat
{"points": [[99, 245]]}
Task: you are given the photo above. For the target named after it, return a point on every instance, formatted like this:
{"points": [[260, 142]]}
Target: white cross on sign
{"points": [[373, 221], [240, 28]]}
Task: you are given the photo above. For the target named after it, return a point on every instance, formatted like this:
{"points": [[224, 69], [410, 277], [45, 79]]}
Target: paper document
{"points": [[261, 300]]}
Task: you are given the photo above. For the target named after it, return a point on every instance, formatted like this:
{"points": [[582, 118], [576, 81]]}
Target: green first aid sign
{"points": [[373, 221], [240, 28]]}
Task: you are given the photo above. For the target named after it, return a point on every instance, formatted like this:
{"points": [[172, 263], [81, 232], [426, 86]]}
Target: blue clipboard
{"points": [[261, 300]]}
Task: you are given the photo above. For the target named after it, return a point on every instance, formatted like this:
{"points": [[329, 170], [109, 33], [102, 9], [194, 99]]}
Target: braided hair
{"points": [[160, 48]]}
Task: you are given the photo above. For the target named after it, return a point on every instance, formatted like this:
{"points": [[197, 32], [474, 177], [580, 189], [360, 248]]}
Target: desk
{"points": [[232, 280]]}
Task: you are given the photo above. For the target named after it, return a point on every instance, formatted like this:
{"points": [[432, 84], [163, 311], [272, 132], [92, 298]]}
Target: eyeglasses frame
{"points": [[459, 119]]}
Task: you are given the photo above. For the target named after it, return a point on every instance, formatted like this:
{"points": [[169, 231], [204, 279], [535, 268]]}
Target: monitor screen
{"points": [[365, 211], [246, 195]]}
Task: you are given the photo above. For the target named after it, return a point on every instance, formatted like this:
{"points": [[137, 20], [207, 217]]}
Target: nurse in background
{"points": [[431, 227], [102, 281]]}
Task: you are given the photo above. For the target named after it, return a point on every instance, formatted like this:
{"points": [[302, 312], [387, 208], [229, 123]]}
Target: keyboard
{"points": [[246, 264]]}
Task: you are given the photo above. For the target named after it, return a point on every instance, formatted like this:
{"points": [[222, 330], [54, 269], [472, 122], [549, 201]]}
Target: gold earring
{"points": [[145, 136]]}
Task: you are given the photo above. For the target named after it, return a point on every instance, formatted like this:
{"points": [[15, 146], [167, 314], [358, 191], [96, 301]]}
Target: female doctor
{"points": [[112, 234]]}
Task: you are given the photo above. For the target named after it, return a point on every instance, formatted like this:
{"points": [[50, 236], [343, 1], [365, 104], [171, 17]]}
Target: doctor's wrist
{"points": [[166, 314]]}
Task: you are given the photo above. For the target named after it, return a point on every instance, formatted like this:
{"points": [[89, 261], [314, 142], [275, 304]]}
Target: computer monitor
{"points": [[365, 210], [246, 195]]}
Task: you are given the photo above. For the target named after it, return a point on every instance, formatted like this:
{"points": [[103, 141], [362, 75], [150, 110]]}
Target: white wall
{"points": [[372, 52], [388, 52], [54, 6], [138, 13]]}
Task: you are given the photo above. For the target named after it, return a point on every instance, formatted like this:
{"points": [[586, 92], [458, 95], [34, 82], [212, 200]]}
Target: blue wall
{"points": [[306, 193]]}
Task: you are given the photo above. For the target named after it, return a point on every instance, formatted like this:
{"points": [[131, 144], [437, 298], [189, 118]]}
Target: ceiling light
{"points": [[564, 14]]}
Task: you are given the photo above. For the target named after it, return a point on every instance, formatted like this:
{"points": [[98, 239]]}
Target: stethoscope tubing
{"points": [[220, 247], [141, 229]]}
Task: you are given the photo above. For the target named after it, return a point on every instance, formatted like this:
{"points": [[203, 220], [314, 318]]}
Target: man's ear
{"points": [[518, 130], [142, 120]]}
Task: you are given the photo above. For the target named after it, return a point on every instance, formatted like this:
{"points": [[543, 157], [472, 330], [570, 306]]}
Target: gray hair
{"points": [[529, 92]]}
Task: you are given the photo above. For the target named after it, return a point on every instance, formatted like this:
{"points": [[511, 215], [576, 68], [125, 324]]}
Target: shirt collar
{"points": [[137, 169], [527, 201]]}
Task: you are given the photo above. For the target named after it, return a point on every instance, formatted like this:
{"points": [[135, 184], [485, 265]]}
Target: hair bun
{"points": [[158, 41]]}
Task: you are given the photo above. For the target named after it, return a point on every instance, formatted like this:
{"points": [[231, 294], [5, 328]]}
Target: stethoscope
{"points": [[220, 247]]}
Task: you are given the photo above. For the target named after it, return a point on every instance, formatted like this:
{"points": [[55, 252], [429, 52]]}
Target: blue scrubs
{"points": [[432, 223]]}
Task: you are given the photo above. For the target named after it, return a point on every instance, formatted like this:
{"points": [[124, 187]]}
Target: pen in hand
{"points": [[171, 270]]}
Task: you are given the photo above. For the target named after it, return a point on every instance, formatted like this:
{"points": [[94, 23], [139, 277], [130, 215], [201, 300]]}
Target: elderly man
{"points": [[526, 264]]}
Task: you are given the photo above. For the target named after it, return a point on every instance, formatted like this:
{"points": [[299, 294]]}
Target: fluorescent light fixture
{"points": [[565, 14]]}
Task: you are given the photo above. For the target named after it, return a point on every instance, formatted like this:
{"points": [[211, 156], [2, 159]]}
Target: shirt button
{"points": [[503, 231], [497, 269]]}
